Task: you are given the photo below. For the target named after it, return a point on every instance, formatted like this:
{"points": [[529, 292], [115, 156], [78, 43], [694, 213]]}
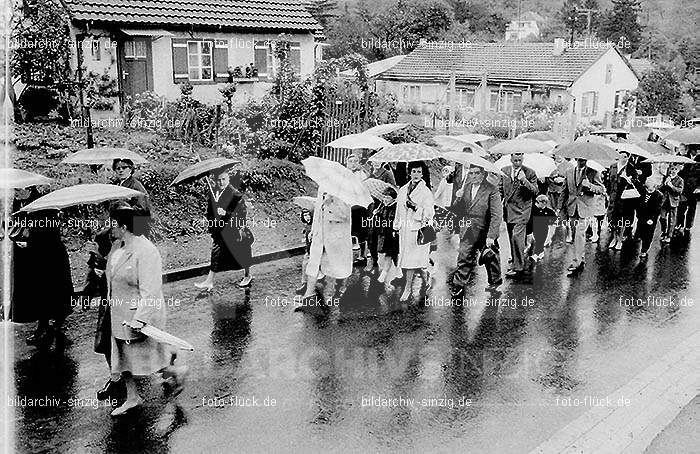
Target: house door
{"points": [[136, 66]]}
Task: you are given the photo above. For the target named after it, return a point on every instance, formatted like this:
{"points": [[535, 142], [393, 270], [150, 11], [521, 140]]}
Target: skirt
{"points": [[227, 255], [140, 357]]}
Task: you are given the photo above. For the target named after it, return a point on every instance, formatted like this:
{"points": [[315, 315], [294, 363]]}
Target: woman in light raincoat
{"points": [[331, 244]]}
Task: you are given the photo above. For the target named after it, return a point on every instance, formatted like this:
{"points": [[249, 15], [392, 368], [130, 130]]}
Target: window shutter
{"points": [[180, 68], [220, 60], [261, 58], [295, 57]]}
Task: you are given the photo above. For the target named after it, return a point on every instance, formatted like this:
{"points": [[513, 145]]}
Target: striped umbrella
{"points": [[406, 152]]}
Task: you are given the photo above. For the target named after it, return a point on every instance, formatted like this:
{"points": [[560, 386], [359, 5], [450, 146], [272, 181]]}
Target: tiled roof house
{"points": [[154, 45], [590, 79]]}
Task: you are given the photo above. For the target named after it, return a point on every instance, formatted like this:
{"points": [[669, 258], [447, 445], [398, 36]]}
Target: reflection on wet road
{"points": [[490, 375]]}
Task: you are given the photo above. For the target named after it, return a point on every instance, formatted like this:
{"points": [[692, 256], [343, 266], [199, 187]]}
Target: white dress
{"points": [[408, 222]]}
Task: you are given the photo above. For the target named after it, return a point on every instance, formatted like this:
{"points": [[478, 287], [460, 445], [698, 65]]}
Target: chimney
{"points": [[559, 46]]}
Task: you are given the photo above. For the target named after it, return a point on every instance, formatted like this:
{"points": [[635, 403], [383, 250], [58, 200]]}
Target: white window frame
{"points": [[462, 93], [588, 104], [200, 54], [409, 94]]}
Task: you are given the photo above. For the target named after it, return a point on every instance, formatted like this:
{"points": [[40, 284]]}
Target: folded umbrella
{"points": [[468, 159], [454, 143], [102, 155], [337, 180], [377, 187], [406, 152], [305, 202], [587, 150], [81, 194], [541, 164], [202, 168], [520, 146], [361, 140], [16, 178], [380, 130], [161, 336]]}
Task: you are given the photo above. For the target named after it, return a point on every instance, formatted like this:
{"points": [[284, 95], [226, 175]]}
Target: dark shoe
{"points": [[576, 270], [112, 390], [512, 274], [494, 286], [301, 290], [643, 255], [306, 302], [362, 261]]}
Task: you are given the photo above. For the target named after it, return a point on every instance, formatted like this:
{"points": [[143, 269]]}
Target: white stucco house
{"points": [[591, 80], [524, 26], [155, 45]]}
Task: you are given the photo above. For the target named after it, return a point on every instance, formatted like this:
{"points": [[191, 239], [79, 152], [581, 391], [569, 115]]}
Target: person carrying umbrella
{"points": [[124, 170], [672, 188], [691, 188], [134, 283], [227, 225]]}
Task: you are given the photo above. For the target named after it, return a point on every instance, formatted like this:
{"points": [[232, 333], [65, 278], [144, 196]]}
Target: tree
{"points": [[324, 11], [482, 19], [620, 25], [659, 92]]}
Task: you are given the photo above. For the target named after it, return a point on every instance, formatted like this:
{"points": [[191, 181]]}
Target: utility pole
{"points": [[85, 109], [588, 12]]}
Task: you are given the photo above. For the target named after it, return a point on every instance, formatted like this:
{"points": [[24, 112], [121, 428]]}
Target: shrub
{"points": [[39, 101]]}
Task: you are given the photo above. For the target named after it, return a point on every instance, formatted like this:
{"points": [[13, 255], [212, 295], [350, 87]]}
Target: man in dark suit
{"points": [[518, 190], [478, 213], [650, 203], [582, 183]]}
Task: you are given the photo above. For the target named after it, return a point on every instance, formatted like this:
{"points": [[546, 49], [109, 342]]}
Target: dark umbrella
{"points": [[203, 168]]}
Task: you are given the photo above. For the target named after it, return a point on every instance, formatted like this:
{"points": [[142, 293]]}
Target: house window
{"points": [[412, 93], [608, 74], [506, 101], [620, 97], [140, 49], [200, 61], [129, 49], [465, 97], [589, 104]]}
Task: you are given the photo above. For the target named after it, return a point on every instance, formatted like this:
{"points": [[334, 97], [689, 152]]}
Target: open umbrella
{"points": [[202, 168], [337, 180], [632, 149], [380, 130], [361, 140], [377, 187], [474, 138], [80, 194], [406, 152], [305, 202], [16, 178], [161, 336], [541, 164], [520, 146], [102, 155], [539, 135], [654, 148], [685, 136], [595, 165], [468, 159], [454, 143], [673, 158], [596, 139], [587, 150]]}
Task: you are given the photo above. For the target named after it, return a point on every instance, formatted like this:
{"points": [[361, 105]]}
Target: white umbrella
{"points": [[673, 158], [454, 143], [632, 149], [305, 202], [380, 130], [468, 159], [595, 165], [541, 164], [474, 138], [362, 140], [103, 155], [337, 180], [16, 178], [81, 194], [520, 146]]}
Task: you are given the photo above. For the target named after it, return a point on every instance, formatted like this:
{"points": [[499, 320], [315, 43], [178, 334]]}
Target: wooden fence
{"points": [[343, 115]]}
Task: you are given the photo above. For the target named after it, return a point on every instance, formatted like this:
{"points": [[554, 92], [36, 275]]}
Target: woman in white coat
{"points": [[330, 253], [414, 209]]}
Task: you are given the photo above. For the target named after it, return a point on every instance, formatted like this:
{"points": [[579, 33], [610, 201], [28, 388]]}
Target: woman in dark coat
{"points": [[622, 176], [40, 257], [231, 238], [124, 169]]}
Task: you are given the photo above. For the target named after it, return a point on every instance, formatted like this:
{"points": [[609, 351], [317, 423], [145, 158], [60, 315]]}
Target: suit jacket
{"points": [[483, 214], [518, 196], [616, 184], [135, 287], [578, 199], [672, 195], [142, 202]]}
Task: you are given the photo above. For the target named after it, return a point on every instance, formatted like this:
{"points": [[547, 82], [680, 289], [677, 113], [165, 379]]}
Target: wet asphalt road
{"points": [[483, 378]]}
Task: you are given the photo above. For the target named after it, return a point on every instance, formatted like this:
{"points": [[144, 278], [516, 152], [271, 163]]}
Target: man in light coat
{"points": [[582, 184], [479, 212], [518, 189]]}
